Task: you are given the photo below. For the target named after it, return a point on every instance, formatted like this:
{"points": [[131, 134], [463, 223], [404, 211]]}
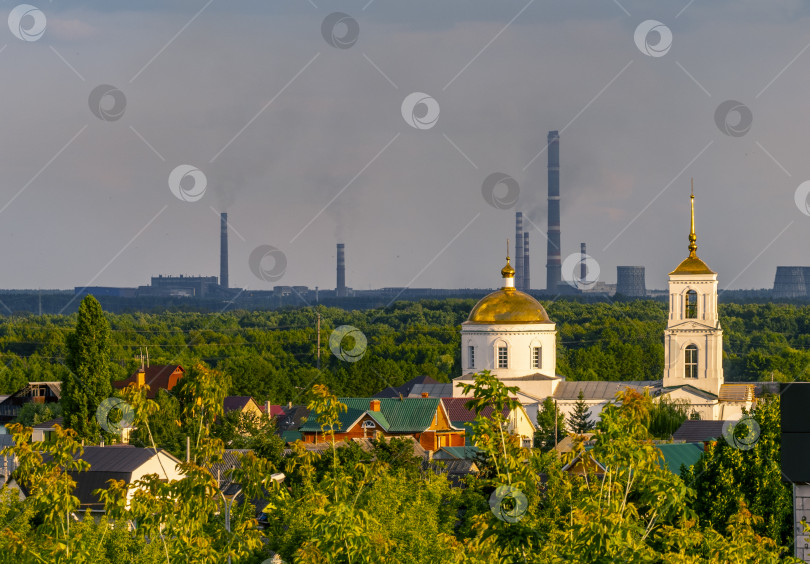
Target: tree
{"points": [[88, 358], [580, 420], [726, 473], [35, 413], [545, 436]]}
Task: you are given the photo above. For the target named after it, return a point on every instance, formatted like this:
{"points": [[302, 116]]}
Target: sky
{"points": [[375, 123]]}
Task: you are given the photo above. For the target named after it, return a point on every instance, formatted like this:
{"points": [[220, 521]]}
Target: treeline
{"points": [[272, 355]]}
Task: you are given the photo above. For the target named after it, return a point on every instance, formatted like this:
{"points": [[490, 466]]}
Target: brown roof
{"points": [[49, 424], [457, 411], [697, 431], [156, 377], [231, 403]]}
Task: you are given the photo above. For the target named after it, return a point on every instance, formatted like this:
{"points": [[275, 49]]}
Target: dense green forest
{"points": [[272, 355]]}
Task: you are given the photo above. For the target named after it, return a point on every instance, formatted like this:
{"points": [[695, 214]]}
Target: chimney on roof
{"points": [[425, 395], [141, 377], [267, 408], [374, 405]]}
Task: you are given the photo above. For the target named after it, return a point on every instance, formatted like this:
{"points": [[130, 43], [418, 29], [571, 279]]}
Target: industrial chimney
{"points": [[519, 250], [340, 291], [583, 268], [223, 250], [553, 262], [527, 278]]}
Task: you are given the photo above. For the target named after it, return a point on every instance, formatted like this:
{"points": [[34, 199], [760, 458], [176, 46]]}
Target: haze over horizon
{"points": [[306, 144]]}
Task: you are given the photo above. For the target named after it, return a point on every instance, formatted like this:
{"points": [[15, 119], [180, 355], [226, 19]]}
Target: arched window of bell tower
{"points": [[691, 305]]}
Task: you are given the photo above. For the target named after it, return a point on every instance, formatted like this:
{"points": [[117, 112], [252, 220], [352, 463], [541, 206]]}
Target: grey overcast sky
{"points": [[305, 143]]}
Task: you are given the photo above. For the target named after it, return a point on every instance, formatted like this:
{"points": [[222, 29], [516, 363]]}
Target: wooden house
{"points": [[424, 419], [33, 392]]}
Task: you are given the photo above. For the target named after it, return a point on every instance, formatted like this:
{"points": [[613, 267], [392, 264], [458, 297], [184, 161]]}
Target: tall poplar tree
{"points": [[88, 358]]}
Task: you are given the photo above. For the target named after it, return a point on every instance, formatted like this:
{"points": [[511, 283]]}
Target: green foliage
{"points": [[239, 430], [88, 358], [35, 413], [550, 425], [349, 506], [666, 416], [726, 475]]}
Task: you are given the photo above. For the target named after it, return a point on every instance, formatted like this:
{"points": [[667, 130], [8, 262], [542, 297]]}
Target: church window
{"points": [[536, 357], [691, 304], [691, 366], [471, 351], [503, 358]]}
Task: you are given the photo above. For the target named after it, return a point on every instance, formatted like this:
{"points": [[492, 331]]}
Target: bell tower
{"points": [[693, 339]]}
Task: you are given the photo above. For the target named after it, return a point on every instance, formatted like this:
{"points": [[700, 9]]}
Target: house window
{"points": [[369, 425], [537, 357], [691, 304], [471, 351], [691, 365], [503, 358]]}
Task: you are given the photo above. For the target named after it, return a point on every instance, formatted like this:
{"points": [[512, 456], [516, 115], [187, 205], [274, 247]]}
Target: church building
{"points": [[509, 333]]}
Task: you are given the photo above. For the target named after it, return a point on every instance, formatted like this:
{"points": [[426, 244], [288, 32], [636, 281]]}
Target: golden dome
{"points": [[693, 265], [508, 305]]}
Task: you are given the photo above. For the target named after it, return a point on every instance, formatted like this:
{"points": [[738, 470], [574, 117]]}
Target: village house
{"points": [[425, 419], [157, 377], [33, 392], [117, 462], [518, 421]]}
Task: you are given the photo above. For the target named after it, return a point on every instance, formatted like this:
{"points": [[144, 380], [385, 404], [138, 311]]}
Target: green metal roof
{"points": [[291, 436], [462, 453], [674, 454], [677, 454], [407, 415]]}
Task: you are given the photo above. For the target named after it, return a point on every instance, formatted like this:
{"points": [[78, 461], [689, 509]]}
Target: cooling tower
{"points": [[789, 282], [630, 281]]}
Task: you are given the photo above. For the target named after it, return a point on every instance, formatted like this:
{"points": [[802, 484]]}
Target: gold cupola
{"points": [[692, 264], [508, 305]]}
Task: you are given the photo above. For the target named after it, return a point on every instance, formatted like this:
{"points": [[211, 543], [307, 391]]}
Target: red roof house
{"points": [[157, 377]]}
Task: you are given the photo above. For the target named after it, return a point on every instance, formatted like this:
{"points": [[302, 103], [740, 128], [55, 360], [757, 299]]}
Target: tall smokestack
{"points": [[553, 262], [223, 250], [341, 271], [527, 277], [518, 250], [583, 270]]}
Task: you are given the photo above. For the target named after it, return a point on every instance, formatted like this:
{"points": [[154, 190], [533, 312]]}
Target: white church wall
{"points": [[519, 340]]}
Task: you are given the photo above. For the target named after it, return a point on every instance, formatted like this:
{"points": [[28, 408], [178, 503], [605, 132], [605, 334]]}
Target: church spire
{"points": [[507, 272], [692, 236]]}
